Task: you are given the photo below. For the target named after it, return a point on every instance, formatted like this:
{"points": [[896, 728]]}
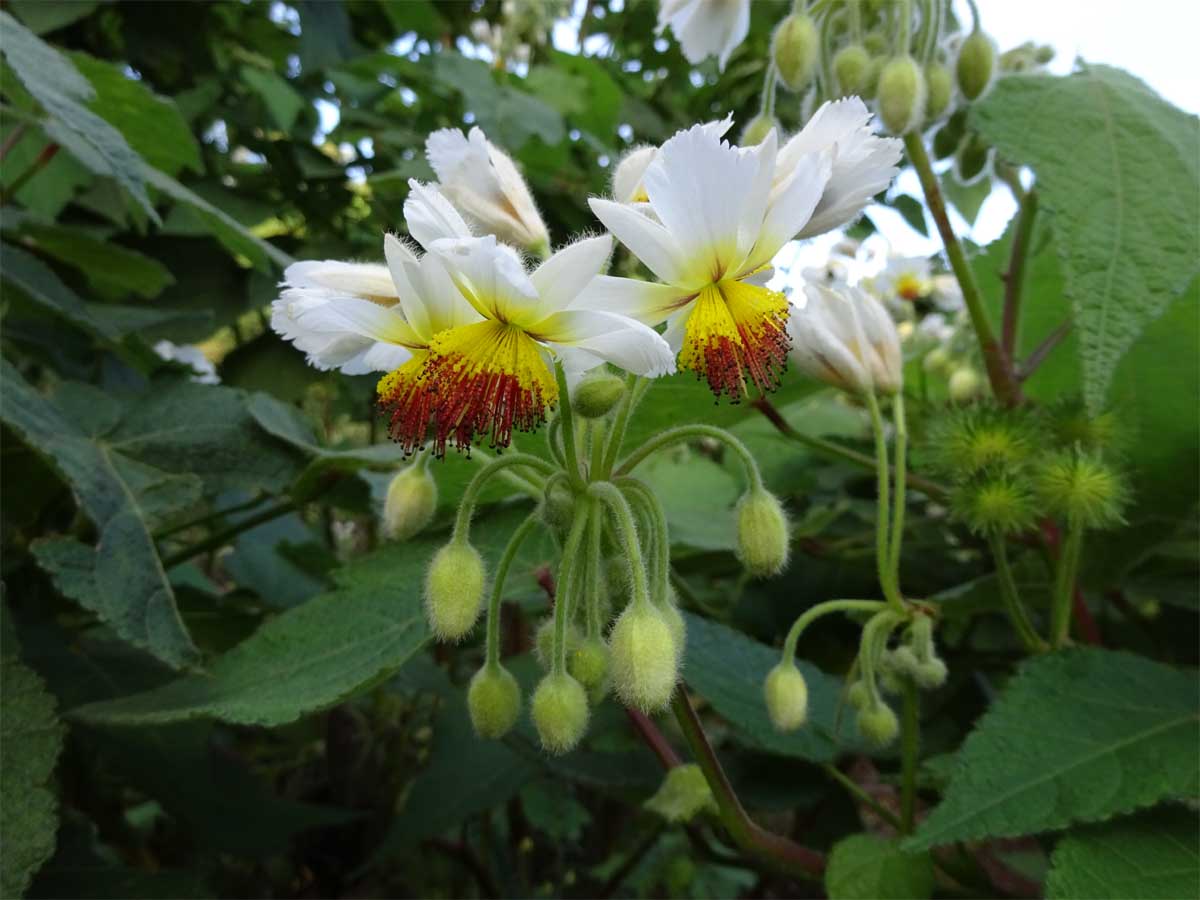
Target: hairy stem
{"points": [[823, 609], [910, 747], [1012, 599], [462, 522], [221, 538], [506, 559], [1064, 585], [691, 432], [570, 453], [882, 552], [568, 583], [901, 470]]}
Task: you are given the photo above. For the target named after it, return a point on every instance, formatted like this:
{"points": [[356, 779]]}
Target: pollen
{"points": [[488, 378], [909, 286], [736, 330]]}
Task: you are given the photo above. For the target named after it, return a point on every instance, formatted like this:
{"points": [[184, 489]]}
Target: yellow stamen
{"points": [[910, 287]]}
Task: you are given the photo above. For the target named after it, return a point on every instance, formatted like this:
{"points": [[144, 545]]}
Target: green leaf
{"points": [[1076, 736], [870, 867], [42, 16], [63, 92], [153, 125], [32, 737], [121, 579], [33, 278], [1119, 168], [110, 268], [279, 97], [913, 212], [1142, 858], [728, 669]]}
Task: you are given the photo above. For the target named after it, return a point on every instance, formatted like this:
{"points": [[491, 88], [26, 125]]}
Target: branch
{"points": [[1042, 350], [1014, 278]]}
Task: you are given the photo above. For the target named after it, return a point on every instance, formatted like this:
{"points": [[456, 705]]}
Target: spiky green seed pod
{"points": [[454, 590], [1073, 426], [976, 65], [1083, 489], [995, 503], [851, 66], [796, 47], [597, 394], [786, 694], [644, 659], [560, 712], [410, 503], [901, 94], [757, 129], [965, 384], [493, 700], [589, 663], [763, 541], [974, 439], [878, 724], [543, 642], [939, 91]]}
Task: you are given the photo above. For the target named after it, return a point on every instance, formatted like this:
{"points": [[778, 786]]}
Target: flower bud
{"points": [[901, 661], [677, 626], [870, 84], [976, 64], [589, 663], [493, 699], [410, 504], [454, 590], [877, 43], [1082, 489], [543, 642], [558, 506], [930, 674], [684, 794], [643, 658], [901, 94], [857, 695], [762, 533], [795, 47], [965, 384], [787, 697], [757, 129], [597, 394], [936, 360], [560, 712], [878, 724], [851, 67], [627, 184], [939, 90]]}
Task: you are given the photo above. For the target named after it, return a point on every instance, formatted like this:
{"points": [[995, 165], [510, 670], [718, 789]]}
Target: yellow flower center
{"points": [[909, 286], [485, 378], [734, 329]]}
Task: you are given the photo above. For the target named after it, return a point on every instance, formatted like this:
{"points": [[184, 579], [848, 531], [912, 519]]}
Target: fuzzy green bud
{"points": [[644, 658], [589, 663], [597, 394], [1083, 489], [965, 384], [795, 47], [876, 43], [930, 674], [757, 129], [543, 642], [976, 64], [763, 541], [558, 506], [454, 590], [787, 697], [410, 503], [878, 724], [560, 712], [901, 94], [858, 695], [851, 66], [493, 699], [939, 90], [676, 625], [936, 361]]}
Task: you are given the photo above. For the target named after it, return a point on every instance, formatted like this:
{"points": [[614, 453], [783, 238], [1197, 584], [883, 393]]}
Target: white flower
{"points": [[191, 356], [863, 162], [706, 27], [845, 337], [716, 225], [947, 294], [366, 317], [494, 375], [627, 186], [484, 184], [904, 278]]}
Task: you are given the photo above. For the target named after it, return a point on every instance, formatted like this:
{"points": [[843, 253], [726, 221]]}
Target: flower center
{"points": [[909, 286], [485, 378], [735, 329]]}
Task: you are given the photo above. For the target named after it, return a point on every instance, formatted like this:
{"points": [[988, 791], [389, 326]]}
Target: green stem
{"points": [[688, 433], [529, 482], [1064, 585], [221, 538], [767, 106], [905, 27], [567, 587], [782, 853], [40, 162], [595, 572], [910, 748], [506, 559], [823, 609], [660, 577], [861, 795], [999, 368], [570, 454], [612, 497], [552, 440], [1014, 278], [871, 644], [466, 507], [1012, 599], [597, 447], [209, 517], [882, 551], [635, 389], [898, 502]]}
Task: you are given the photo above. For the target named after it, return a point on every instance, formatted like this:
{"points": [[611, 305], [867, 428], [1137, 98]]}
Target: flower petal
{"points": [[615, 339], [647, 239], [491, 277], [646, 301], [430, 216], [561, 278], [790, 209], [346, 279]]}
